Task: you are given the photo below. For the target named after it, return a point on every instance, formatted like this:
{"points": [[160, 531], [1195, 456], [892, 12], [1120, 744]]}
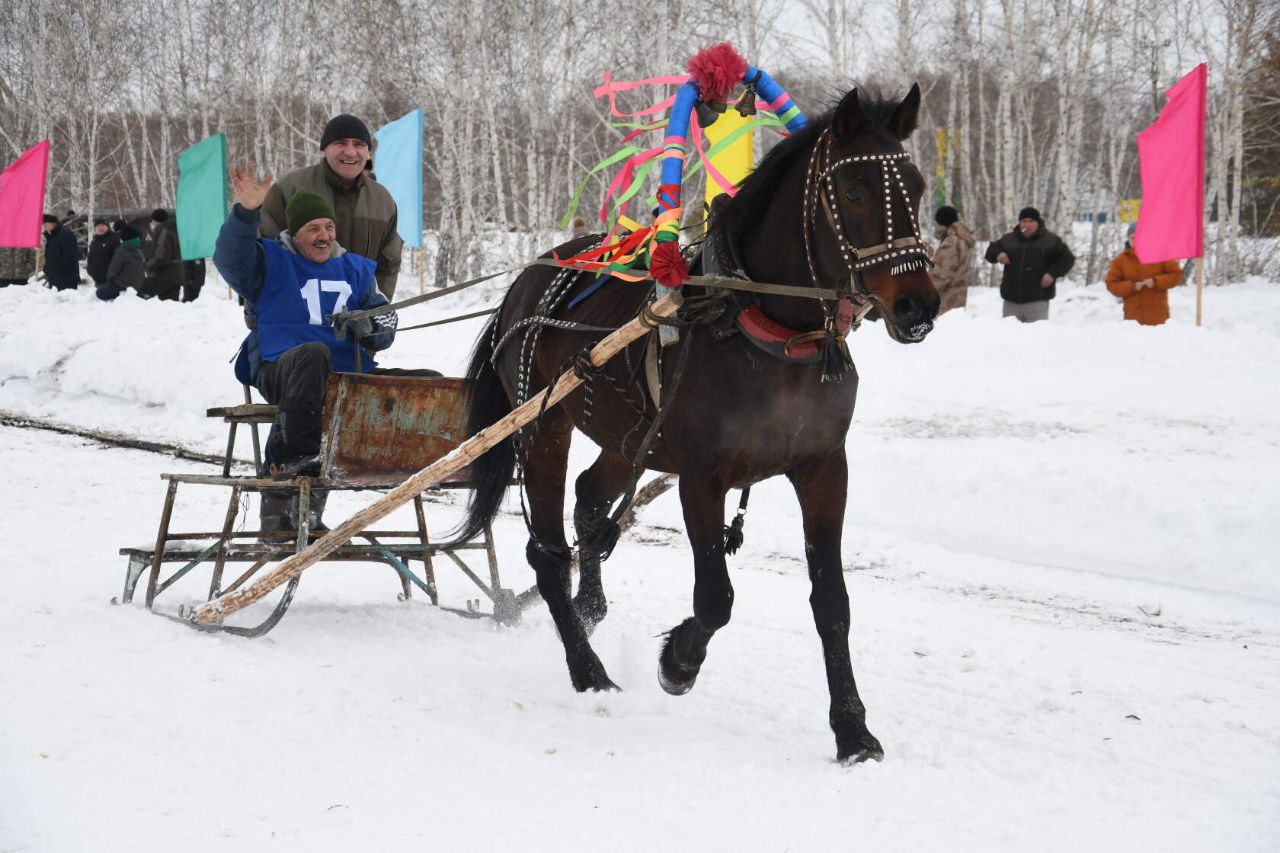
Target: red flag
{"points": [[1171, 154], [22, 198]]}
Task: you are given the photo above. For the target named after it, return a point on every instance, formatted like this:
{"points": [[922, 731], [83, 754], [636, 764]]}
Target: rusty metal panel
{"points": [[380, 430]]}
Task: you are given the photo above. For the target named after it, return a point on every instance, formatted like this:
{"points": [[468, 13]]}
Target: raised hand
{"points": [[1002, 258], [249, 191]]}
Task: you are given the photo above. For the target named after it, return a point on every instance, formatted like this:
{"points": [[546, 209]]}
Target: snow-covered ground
{"points": [[1060, 547]]}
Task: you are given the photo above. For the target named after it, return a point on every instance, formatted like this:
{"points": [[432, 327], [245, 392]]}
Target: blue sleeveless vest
{"points": [[298, 295]]}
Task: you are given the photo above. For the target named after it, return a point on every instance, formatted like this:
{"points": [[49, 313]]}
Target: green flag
{"points": [[202, 196]]}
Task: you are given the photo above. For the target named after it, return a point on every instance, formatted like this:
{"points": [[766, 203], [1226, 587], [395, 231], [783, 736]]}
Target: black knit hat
{"points": [[345, 127], [127, 232], [118, 225], [99, 221], [946, 215], [49, 217], [1030, 213], [159, 215], [304, 207]]}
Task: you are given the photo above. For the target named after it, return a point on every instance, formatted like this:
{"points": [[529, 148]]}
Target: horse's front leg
{"points": [[821, 486], [686, 645]]}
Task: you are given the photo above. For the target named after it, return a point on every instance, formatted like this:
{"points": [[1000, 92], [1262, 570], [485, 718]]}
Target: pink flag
{"points": [[22, 198], [1171, 154]]}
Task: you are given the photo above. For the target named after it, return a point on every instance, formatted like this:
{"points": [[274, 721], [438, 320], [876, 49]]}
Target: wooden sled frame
{"points": [[377, 430]]}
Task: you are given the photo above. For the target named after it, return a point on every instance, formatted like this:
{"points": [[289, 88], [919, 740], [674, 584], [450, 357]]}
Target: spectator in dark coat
{"points": [[194, 271], [165, 276], [61, 257], [1034, 258], [101, 248], [127, 266]]}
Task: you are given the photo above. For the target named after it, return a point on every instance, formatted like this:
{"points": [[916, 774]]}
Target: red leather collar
{"points": [[773, 337]]}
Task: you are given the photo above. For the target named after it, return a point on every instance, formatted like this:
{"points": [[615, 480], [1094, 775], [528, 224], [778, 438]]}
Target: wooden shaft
{"points": [[461, 456], [1200, 290]]}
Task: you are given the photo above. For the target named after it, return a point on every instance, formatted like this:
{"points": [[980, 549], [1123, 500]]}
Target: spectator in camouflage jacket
{"points": [[164, 268], [16, 265], [366, 212], [952, 260]]}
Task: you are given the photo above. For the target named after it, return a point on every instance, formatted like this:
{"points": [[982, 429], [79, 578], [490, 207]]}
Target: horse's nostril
{"points": [[907, 309]]}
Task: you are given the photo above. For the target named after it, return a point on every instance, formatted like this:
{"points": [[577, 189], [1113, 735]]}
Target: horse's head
{"points": [[866, 195]]}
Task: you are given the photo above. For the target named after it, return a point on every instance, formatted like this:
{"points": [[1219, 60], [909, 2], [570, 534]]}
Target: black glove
{"points": [[344, 325]]}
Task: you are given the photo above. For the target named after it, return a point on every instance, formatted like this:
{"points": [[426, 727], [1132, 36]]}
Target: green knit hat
{"points": [[304, 207]]}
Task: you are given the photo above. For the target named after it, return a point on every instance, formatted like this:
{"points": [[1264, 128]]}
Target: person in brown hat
{"points": [[365, 212]]}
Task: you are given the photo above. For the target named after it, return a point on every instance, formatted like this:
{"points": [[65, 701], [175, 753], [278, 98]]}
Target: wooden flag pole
{"points": [[1200, 290], [458, 458]]}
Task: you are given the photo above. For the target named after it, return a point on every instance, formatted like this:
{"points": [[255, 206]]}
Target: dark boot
{"points": [[315, 509], [273, 515]]}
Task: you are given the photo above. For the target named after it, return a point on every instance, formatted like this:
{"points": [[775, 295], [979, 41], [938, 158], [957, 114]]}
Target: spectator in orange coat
{"points": [[1143, 287]]}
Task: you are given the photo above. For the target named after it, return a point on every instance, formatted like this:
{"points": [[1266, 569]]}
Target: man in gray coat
{"points": [[1034, 258], [366, 212]]}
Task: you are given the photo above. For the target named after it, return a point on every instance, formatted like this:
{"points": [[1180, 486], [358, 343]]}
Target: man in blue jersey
{"points": [[298, 290]]}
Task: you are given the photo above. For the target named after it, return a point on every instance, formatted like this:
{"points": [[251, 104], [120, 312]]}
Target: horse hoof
{"points": [[594, 678], [604, 684], [675, 688], [674, 678], [863, 748]]}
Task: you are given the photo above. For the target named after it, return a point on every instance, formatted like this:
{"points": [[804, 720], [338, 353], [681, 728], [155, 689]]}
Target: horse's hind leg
{"points": [[545, 470], [686, 645], [821, 488], [597, 489]]}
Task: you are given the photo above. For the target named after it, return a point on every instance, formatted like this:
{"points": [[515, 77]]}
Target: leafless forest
{"points": [[1039, 100]]}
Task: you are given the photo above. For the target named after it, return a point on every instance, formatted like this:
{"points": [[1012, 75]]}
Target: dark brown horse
{"points": [[822, 210]]}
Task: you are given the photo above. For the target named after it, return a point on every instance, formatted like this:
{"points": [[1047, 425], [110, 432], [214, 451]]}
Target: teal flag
{"points": [[202, 196], [398, 165]]}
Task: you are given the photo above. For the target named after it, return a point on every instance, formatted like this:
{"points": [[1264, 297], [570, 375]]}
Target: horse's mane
{"points": [[748, 207]]}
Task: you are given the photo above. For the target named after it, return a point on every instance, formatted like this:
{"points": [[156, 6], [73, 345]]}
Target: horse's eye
{"points": [[855, 196]]}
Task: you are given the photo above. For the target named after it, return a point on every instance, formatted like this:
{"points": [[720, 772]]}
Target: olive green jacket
{"points": [[164, 267], [366, 217]]}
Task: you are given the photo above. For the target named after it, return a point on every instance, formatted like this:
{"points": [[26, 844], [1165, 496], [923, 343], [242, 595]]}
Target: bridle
{"points": [[906, 254]]}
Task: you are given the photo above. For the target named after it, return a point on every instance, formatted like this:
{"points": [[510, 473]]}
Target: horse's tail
{"points": [[491, 473]]}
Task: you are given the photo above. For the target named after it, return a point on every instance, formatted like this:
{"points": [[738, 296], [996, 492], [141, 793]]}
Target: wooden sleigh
{"points": [[377, 431]]}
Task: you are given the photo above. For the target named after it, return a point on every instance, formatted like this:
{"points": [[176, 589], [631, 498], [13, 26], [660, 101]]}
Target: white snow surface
{"points": [[1060, 549]]}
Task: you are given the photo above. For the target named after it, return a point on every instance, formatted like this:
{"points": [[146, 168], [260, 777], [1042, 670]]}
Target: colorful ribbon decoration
{"points": [[628, 248]]}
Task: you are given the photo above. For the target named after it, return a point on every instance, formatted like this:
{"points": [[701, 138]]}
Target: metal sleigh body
{"points": [[378, 430]]}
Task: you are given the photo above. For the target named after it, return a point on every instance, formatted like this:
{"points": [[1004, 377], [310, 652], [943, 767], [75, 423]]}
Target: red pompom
{"points": [[667, 266], [716, 70]]}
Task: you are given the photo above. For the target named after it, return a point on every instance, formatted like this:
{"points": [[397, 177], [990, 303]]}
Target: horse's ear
{"points": [[848, 116], [906, 116]]}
